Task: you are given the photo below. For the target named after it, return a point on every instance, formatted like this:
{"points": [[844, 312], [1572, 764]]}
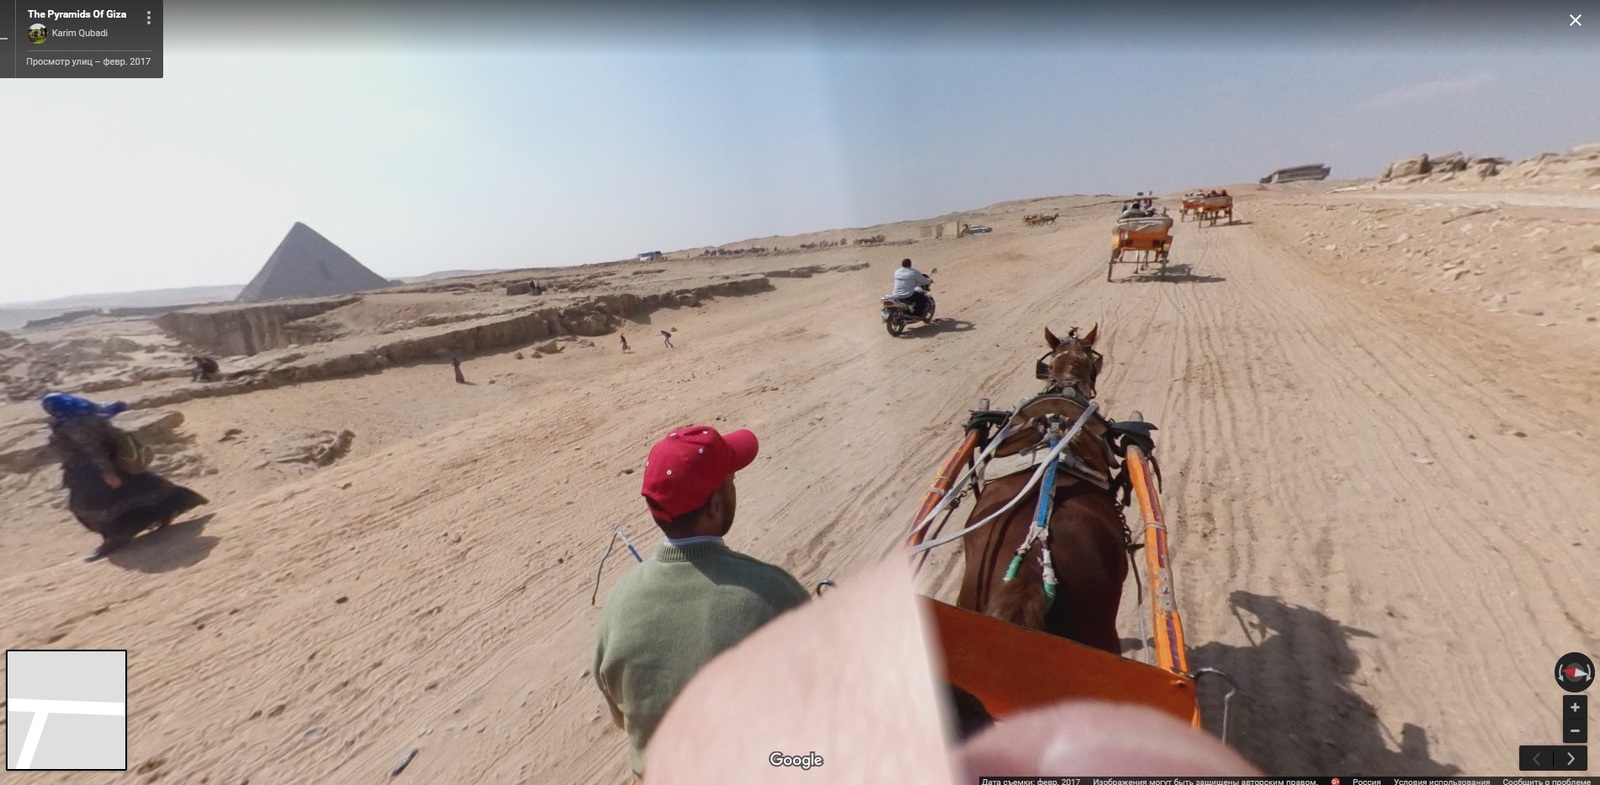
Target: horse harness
{"points": [[1101, 441]]}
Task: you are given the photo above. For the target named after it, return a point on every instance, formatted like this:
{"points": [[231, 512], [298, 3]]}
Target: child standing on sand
{"points": [[625, 349], [666, 338]]}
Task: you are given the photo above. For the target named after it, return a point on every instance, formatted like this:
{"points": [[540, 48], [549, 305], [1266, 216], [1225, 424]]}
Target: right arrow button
{"points": [[1539, 757]]}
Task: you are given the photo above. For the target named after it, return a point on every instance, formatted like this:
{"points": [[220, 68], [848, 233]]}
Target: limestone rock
{"points": [[1407, 167], [1449, 162], [313, 448]]}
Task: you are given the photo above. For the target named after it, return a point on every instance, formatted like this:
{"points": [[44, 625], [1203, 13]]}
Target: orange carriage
{"points": [[1190, 205], [1213, 208], [1142, 241]]}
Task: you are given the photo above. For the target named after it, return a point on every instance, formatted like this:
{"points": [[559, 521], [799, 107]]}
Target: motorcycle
{"points": [[896, 315]]}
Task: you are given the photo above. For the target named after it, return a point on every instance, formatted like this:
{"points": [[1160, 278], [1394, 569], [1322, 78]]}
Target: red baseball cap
{"points": [[690, 464]]}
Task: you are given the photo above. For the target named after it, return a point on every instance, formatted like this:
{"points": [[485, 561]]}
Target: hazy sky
{"points": [[491, 138]]}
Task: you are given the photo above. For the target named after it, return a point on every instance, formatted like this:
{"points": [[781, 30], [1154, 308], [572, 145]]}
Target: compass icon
{"points": [[1574, 672]]}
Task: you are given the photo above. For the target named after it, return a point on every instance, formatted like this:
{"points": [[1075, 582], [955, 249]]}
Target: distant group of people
{"points": [[1140, 208], [666, 340]]}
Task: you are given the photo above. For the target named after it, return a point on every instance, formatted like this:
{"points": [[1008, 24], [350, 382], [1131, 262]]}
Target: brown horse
{"points": [[1089, 541]]}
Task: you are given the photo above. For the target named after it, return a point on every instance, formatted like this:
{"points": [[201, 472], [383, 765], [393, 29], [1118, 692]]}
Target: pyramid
{"points": [[307, 264]]}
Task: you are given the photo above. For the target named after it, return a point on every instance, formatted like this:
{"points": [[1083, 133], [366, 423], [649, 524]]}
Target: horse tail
{"points": [[1021, 600]]}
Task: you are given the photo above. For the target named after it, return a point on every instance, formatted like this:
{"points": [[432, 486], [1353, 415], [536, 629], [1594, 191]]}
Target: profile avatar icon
{"points": [[36, 34]]}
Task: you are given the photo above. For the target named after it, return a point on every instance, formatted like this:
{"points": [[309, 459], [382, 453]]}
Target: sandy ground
{"points": [[1380, 499]]}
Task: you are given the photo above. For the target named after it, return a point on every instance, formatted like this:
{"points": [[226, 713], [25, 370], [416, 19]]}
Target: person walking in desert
{"points": [[110, 488]]}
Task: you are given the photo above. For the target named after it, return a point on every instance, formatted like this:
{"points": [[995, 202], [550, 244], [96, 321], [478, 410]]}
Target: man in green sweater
{"points": [[694, 598]]}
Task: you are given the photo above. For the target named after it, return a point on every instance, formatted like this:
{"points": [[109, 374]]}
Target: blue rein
{"points": [[1040, 529]]}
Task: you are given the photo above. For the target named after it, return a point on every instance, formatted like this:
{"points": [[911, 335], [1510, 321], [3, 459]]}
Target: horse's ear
{"points": [[1094, 332], [1051, 339]]}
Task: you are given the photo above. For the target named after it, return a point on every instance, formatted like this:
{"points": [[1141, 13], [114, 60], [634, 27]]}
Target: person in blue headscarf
{"points": [[109, 491]]}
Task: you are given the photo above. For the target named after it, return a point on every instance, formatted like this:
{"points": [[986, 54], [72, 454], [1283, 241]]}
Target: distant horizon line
{"points": [[57, 302]]}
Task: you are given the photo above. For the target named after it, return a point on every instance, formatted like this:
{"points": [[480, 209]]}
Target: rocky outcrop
{"points": [[29, 369], [1406, 167], [1447, 163], [24, 446], [310, 448], [1579, 166], [250, 329], [1487, 167]]}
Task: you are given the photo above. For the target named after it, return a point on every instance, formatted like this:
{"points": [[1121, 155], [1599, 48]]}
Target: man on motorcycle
{"points": [[906, 281]]}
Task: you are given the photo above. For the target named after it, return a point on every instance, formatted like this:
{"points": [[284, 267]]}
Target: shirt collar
{"points": [[704, 538]]}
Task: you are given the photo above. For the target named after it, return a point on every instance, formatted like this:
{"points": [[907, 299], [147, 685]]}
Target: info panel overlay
{"points": [[58, 39]]}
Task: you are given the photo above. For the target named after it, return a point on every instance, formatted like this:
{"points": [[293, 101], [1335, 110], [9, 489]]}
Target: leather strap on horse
{"points": [[943, 498], [1055, 452]]}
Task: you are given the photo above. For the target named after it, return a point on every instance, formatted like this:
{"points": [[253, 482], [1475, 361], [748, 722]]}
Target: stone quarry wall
{"points": [[595, 316], [246, 330]]}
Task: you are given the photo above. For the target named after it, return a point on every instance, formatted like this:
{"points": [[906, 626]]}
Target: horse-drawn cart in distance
{"points": [[1214, 207], [1190, 204], [1210, 206], [1141, 241], [1064, 463]]}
